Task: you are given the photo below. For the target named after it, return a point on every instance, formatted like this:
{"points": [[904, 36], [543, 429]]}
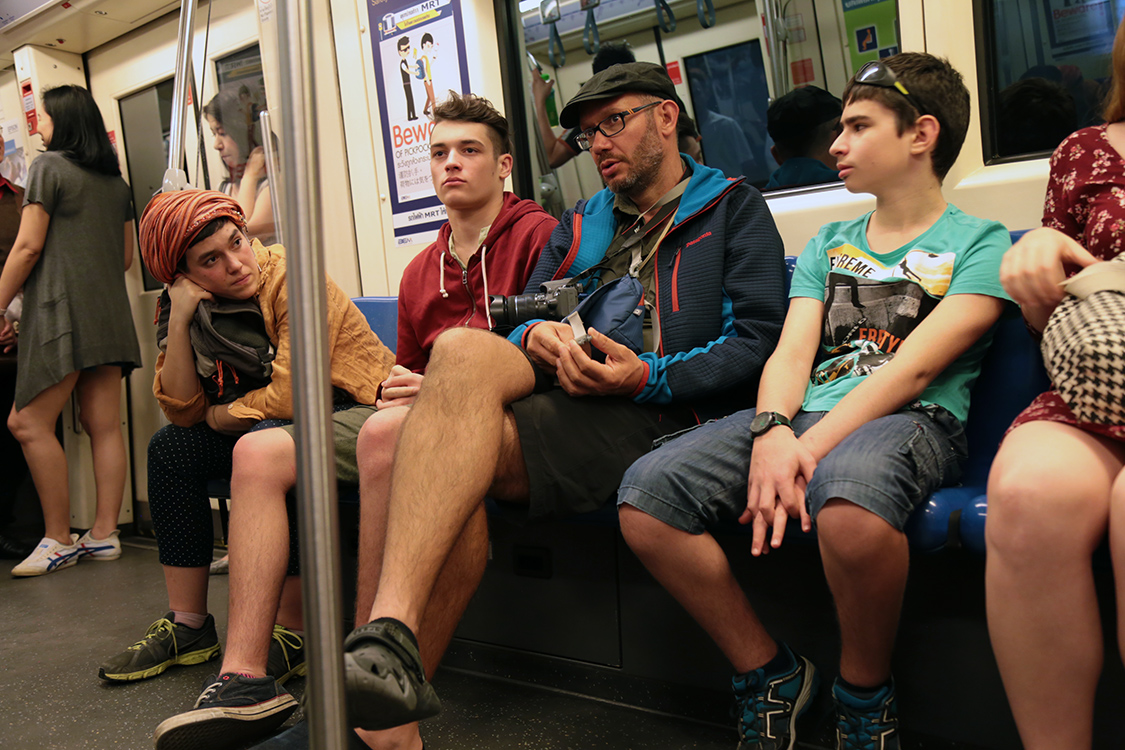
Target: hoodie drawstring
{"points": [[487, 299], [441, 270]]}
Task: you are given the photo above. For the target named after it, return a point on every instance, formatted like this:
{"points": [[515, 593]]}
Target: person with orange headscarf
{"points": [[224, 322]]}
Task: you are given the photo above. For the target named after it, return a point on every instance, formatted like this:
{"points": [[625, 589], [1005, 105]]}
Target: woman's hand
{"points": [[185, 295], [255, 165], [8, 336], [1035, 267]]}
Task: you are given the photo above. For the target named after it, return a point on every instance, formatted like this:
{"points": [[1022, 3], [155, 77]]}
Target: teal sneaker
{"points": [[866, 724], [768, 706]]}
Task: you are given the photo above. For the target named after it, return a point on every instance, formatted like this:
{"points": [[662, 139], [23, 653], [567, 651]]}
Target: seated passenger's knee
{"points": [[268, 456], [461, 346], [165, 442], [852, 532], [642, 532], [375, 447], [1030, 520]]}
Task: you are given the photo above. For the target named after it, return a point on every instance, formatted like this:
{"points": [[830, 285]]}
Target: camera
{"points": [[554, 301]]}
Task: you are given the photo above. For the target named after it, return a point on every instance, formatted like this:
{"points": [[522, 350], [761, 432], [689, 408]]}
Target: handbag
{"points": [[615, 309], [1084, 344]]}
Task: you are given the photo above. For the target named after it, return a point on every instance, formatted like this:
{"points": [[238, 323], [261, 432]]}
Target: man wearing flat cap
{"points": [[547, 420], [803, 125]]}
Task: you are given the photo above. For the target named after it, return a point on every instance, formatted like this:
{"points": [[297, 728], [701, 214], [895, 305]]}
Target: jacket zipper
{"points": [[675, 264], [472, 297]]}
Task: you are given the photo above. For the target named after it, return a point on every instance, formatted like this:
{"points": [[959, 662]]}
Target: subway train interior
{"points": [[569, 643]]}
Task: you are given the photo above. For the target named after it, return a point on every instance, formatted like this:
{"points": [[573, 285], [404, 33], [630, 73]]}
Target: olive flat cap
{"points": [[623, 78]]}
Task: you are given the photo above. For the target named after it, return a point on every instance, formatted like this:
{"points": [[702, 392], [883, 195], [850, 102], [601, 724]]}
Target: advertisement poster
{"points": [[242, 98], [870, 30], [419, 54], [1080, 24], [14, 166]]}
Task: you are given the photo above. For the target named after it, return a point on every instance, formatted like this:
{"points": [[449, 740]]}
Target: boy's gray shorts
{"points": [[889, 466]]}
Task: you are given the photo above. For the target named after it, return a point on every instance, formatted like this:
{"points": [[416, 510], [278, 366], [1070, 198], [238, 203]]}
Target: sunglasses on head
{"points": [[875, 73]]}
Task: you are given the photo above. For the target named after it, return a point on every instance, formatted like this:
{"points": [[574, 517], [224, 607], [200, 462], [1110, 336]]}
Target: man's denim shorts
{"points": [[889, 466]]}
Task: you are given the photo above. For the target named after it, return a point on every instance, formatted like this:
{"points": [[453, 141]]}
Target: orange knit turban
{"points": [[172, 220]]}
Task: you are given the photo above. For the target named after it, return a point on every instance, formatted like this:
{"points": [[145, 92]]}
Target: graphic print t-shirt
{"points": [[873, 301]]}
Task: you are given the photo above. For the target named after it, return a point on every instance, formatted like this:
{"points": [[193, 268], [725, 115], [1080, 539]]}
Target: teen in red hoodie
{"points": [[439, 291]]}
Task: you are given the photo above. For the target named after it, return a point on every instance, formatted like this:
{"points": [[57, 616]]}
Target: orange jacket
{"points": [[360, 362]]}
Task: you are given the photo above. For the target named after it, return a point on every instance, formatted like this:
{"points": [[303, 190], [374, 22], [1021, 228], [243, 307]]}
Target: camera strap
{"points": [[633, 236]]}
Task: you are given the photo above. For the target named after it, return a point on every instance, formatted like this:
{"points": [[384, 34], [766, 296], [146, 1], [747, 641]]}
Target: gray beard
{"points": [[645, 164]]}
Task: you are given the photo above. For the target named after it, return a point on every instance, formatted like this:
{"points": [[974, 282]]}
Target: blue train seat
{"points": [[382, 316]]}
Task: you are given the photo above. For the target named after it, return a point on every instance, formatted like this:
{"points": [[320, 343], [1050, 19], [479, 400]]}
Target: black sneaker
{"points": [[768, 705], [287, 655], [383, 677], [296, 737], [231, 711], [166, 643]]}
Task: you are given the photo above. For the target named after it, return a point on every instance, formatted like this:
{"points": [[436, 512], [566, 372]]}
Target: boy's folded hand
{"points": [[780, 467]]}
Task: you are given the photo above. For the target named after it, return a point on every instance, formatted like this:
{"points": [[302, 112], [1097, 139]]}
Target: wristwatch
{"points": [[764, 421]]}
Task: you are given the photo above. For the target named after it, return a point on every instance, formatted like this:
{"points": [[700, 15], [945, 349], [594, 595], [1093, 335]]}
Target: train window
{"points": [[728, 89], [1044, 72], [727, 75], [233, 117], [146, 125]]}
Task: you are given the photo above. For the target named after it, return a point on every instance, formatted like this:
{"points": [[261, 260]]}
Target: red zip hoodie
{"points": [[430, 301]]}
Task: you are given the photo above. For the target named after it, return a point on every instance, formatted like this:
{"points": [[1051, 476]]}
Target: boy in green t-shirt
{"points": [[859, 413]]}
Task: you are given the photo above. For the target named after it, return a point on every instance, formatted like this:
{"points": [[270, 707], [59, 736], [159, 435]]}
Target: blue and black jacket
{"points": [[720, 290]]}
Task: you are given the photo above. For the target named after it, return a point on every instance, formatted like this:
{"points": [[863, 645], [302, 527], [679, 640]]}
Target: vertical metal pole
{"points": [[174, 177], [276, 186], [308, 336], [777, 62]]}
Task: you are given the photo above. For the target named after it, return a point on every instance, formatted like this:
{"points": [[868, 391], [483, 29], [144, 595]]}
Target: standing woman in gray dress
{"points": [[74, 244]]}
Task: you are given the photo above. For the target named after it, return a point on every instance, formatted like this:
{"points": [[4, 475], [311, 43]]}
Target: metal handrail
{"points": [[174, 176], [275, 181], [312, 403]]}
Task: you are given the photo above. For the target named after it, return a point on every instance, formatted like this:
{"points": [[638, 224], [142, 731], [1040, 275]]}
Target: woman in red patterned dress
{"points": [[1057, 487]]}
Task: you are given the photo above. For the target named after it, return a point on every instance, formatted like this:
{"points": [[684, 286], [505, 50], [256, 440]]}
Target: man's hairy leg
{"points": [[448, 456], [455, 587]]}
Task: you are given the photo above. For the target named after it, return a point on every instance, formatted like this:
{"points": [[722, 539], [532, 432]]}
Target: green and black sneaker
{"points": [[287, 655], [166, 643]]}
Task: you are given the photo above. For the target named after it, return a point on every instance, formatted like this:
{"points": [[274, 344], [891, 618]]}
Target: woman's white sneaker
{"points": [[100, 549], [49, 556]]}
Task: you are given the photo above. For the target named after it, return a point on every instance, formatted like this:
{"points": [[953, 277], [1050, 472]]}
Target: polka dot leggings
{"points": [[181, 461]]}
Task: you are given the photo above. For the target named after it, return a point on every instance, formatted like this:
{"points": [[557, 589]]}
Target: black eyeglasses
{"points": [[876, 73], [610, 126]]}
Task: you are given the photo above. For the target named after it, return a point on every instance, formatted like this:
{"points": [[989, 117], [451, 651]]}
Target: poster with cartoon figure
{"points": [[415, 43]]}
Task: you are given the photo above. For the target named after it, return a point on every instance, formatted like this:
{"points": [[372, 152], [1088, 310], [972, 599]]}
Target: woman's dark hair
{"points": [[227, 112], [79, 133]]}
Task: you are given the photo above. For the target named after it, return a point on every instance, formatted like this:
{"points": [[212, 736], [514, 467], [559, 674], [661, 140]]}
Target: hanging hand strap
{"points": [[663, 10], [705, 10], [555, 51], [591, 40]]}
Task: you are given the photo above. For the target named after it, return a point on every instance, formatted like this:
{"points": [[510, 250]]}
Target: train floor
{"points": [[58, 628]]}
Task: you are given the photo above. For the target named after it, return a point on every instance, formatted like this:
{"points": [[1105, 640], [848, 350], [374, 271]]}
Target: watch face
{"points": [[760, 422]]}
